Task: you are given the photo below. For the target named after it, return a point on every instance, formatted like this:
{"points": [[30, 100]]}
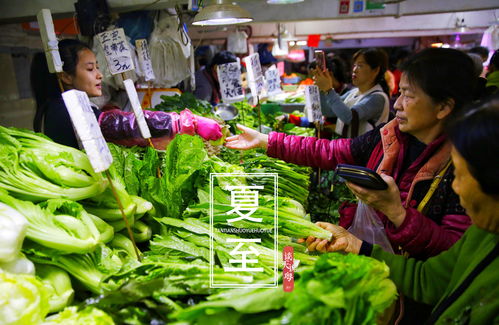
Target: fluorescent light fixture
{"points": [[282, 2], [221, 13], [301, 43]]}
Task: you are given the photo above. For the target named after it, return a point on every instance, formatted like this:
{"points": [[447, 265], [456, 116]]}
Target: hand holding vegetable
{"points": [[249, 139], [386, 201], [342, 240]]}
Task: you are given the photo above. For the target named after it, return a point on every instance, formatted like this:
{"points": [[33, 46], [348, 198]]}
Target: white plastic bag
{"points": [[367, 226], [237, 42], [170, 50]]}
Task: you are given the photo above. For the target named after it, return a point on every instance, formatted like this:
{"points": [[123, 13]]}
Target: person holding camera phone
{"points": [[462, 283], [364, 107], [337, 68], [420, 212]]}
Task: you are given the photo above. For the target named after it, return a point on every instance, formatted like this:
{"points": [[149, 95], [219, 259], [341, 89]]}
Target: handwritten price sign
{"points": [[115, 47], [229, 77]]}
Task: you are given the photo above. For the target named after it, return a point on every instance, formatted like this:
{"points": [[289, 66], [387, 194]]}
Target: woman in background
{"points": [[81, 72], [364, 107]]}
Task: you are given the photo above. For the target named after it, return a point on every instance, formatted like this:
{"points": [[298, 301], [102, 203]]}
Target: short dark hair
{"points": [[44, 84], [338, 67], [474, 134], [480, 50], [223, 57], [442, 74], [376, 58]]}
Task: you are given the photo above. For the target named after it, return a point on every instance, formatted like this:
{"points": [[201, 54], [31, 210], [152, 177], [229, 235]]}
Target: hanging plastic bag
{"points": [[367, 226], [170, 49], [237, 42]]}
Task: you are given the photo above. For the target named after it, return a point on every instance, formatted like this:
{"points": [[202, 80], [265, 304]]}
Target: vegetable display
{"points": [[66, 221], [33, 167]]}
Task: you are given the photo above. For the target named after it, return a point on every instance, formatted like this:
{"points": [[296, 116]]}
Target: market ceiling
{"points": [[25, 10]]}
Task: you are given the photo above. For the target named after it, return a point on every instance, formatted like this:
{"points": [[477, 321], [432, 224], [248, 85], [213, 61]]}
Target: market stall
{"points": [[152, 220]]}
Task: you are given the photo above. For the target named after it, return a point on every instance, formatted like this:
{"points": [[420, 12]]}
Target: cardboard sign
{"points": [[273, 81], [144, 59], [115, 47], [229, 77], [313, 103], [137, 109], [254, 73], [87, 129], [50, 43]]}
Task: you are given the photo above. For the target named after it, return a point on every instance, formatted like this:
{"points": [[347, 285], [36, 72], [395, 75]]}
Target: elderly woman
{"points": [[462, 283], [420, 212]]}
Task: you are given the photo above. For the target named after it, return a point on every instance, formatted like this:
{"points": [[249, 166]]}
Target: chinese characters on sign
{"points": [[144, 59], [116, 50], [273, 81], [255, 75], [245, 220], [87, 129], [229, 77], [288, 273], [313, 103]]}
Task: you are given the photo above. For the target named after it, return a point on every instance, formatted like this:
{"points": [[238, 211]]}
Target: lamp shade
{"points": [[282, 2], [220, 13]]}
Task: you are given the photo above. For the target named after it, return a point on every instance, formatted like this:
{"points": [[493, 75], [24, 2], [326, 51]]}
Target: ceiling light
{"points": [[282, 2], [221, 13]]}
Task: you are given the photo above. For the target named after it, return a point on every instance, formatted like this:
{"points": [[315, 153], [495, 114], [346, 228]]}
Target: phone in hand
{"points": [[320, 58], [361, 176]]}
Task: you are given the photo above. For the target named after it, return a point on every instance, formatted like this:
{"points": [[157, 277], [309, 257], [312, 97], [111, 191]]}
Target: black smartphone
{"points": [[361, 176], [320, 58]]}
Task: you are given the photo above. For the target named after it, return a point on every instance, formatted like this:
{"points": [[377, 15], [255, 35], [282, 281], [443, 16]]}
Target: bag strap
{"points": [[353, 126], [433, 187], [439, 310]]}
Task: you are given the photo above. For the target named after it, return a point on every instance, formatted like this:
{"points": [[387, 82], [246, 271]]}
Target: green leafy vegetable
{"points": [[61, 224], [58, 285], [23, 299], [12, 232], [341, 289], [33, 167], [73, 316]]}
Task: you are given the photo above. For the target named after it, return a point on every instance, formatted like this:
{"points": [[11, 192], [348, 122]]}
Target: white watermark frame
{"points": [[274, 284]]}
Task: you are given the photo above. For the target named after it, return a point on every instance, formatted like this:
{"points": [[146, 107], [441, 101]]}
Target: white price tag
{"points": [[313, 103], [229, 78], [87, 129], [137, 109], [50, 43], [254, 73], [273, 81], [144, 59], [115, 47]]}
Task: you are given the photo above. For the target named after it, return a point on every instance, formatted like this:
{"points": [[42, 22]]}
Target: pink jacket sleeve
{"points": [[309, 151], [418, 234]]}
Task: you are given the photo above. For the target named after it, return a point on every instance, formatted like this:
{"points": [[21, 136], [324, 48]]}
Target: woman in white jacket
{"points": [[363, 107]]}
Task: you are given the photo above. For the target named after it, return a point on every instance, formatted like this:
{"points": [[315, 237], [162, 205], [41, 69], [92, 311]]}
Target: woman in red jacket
{"points": [[410, 152]]}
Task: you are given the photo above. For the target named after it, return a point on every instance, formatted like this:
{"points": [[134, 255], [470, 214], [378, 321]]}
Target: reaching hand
{"points": [[342, 240], [249, 139], [386, 201]]}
